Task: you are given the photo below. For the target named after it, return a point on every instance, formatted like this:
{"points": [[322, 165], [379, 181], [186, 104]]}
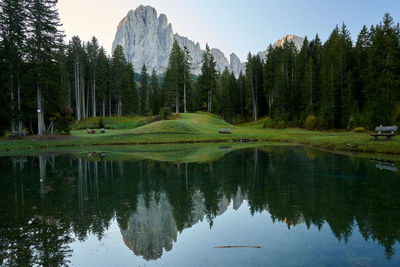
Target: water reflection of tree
{"points": [[80, 196]]}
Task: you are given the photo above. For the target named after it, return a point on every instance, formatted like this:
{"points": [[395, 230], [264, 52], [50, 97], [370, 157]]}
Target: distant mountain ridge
{"points": [[148, 39]]}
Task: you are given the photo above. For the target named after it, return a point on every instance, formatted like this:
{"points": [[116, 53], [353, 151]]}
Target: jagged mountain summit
{"points": [[148, 39], [297, 41]]}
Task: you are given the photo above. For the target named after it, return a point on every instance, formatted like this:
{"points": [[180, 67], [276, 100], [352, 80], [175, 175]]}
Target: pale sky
{"points": [[231, 25]]}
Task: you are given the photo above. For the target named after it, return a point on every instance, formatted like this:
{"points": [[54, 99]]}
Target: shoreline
{"points": [[10, 146]]}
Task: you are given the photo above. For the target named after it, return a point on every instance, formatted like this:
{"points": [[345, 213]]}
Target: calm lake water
{"points": [[302, 207]]}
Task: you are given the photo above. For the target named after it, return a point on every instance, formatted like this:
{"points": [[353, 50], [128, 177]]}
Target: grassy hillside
{"points": [[195, 128]]}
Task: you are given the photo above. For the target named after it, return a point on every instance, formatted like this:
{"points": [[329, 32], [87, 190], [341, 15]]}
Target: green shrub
{"points": [[210, 114], [101, 123], [268, 123], [165, 113], [280, 124], [277, 123], [311, 122], [322, 124], [360, 130], [63, 119]]}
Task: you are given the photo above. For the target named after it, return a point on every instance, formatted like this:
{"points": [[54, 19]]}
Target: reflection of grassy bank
{"points": [[198, 128], [198, 152]]}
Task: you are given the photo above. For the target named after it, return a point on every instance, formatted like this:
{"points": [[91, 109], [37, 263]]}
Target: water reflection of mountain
{"points": [[152, 228], [71, 197]]}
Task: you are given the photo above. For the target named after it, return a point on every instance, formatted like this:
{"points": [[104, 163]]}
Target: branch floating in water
{"points": [[238, 247]]}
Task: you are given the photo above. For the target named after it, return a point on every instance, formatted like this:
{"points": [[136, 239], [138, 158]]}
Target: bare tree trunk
{"points": [[119, 105], [77, 91], [176, 99], [13, 128], [254, 100], [241, 98], [104, 108], [109, 104], [87, 102], [82, 89], [94, 94], [19, 105], [210, 98], [41, 125], [184, 93]]}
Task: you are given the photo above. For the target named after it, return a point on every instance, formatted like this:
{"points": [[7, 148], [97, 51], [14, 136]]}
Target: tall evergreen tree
{"points": [[103, 84], [207, 80], [174, 77], [144, 92], [13, 25], [186, 70], [44, 33], [93, 54], [118, 67], [155, 92], [383, 69]]}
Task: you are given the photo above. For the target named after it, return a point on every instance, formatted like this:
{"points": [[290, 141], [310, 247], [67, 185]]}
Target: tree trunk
{"points": [[254, 100], [241, 98], [184, 97], [87, 102], [109, 104], [41, 125], [13, 128], [119, 105], [104, 108], [77, 91], [176, 99], [19, 105], [94, 94], [82, 89]]}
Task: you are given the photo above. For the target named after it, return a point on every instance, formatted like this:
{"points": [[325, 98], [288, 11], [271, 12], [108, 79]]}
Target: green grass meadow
{"points": [[196, 128]]}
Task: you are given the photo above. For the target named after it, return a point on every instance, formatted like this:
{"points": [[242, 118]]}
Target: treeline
{"points": [[47, 84], [336, 84], [342, 84]]}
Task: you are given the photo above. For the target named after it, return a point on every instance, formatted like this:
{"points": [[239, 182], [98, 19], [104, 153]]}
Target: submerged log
{"points": [[238, 247]]}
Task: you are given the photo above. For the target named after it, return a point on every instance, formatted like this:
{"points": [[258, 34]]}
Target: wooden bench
{"points": [[386, 131], [225, 131], [17, 134]]}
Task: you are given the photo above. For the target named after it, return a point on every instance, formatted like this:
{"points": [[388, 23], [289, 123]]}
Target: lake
{"points": [[301, 207]]}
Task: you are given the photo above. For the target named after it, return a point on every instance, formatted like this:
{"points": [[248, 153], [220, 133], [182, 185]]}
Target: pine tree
{"points": [[44, 33], [93, 54], [129, 93], [383, 70], [13, 36], [144, 92], [118, 67], [174, 77], [103, 80], [155, 92], [207, 79], [187, 68], [76, 60]]}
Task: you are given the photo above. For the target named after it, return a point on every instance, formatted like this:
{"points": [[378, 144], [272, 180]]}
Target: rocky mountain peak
{"points": [[147, 39], [297, 41]]}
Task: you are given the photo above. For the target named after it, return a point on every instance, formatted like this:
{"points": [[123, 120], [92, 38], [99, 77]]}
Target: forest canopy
{"points": [[341, 83]]}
